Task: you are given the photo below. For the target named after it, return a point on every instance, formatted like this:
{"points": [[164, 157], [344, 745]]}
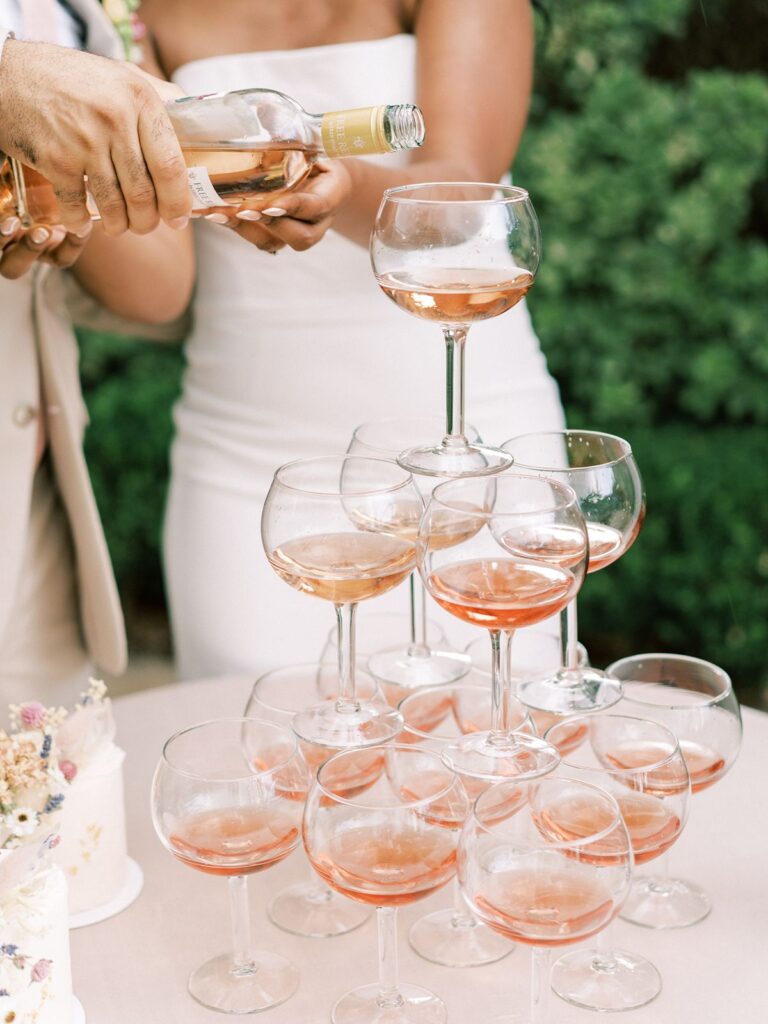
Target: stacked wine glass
{"points": [[515, 767]]}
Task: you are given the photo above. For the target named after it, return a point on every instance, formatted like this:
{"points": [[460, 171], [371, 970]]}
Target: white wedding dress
{"points": [[288, 354]]}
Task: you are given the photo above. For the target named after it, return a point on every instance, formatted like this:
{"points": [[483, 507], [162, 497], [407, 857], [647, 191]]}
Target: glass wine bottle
{"points": [[244, 147]]}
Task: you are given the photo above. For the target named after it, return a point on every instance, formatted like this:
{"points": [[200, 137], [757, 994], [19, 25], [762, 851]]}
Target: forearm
{"points": [[141, 277]]}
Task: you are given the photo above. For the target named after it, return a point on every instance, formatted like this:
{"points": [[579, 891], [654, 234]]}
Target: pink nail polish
{"points": [[252, 215], [39, 235], [9, 226], [275, 211], [217, 218]]}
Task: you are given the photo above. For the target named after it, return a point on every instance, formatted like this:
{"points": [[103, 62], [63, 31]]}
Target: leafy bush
{"points": [[646, 158]]}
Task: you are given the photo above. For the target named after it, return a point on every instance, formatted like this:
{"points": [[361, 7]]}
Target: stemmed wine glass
{"points": [[227, 798], [433, 717], [536, 883], [695, 700], [602, 471], [338, 528], [414, 664], [455, 253], [386, 846], [310, 908], [498, 564], [640, 764]]}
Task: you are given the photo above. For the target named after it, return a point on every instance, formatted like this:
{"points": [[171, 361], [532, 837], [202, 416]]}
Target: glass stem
{"points": [[507, 696], [569, 637], [455, 339], [540, 985], [345, 641], [462, 915], [241, 925], [497, 701], [419, 647], [389, 997], [604, 961]]}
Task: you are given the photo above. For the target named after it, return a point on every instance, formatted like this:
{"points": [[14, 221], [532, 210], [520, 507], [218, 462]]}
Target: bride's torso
{"points": [[290, 352]]}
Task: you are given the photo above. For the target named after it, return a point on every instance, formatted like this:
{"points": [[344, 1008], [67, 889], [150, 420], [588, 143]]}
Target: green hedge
{"points": [[646, 158]]}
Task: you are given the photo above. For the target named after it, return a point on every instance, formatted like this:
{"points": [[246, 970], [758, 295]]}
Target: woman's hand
{"points": [[21, 247], [297, 219]]}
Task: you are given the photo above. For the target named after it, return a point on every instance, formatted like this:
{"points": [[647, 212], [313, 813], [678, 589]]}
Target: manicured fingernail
{"points": [[275, 211], [39, 235], [217, 218], [179, 223], [9, 226], [248, 215]]}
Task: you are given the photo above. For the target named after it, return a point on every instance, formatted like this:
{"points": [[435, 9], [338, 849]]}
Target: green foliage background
{"points": [[646, 156]]}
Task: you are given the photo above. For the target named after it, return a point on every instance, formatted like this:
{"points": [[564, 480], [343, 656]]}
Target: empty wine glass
{"points": [[310, 908], [337, 528], [489, 553], [537, 883], [455, 253], [434, 717], [695, 700], [416, 663], [227, 798], [602, 471], [386, 846], [640, 764]]}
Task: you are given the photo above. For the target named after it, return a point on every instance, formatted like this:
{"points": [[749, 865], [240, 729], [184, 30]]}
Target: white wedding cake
{"points": [[35, 974], [92, 852]]}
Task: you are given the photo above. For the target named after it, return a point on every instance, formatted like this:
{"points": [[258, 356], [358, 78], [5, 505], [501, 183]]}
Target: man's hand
{"points": [[304, 216], [21, 247], [70, 114]]}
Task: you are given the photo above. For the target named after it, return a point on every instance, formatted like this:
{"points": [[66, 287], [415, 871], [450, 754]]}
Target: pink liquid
{"points": [[235, 840], [667, 779], [550, 908], [705, 765], [344, 567], [387, 866], [456, 295], [502, 593], [650, 822]]}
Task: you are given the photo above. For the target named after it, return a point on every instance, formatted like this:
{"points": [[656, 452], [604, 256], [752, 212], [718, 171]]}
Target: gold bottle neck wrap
{"points": [[355, 132]]}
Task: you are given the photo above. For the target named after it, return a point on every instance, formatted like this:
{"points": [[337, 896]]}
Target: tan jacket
{"points": [[38, 355]]}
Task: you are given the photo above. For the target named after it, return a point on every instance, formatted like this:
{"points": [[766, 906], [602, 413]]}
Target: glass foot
{"points": [[466, 460], [477, 755], [454, 940], [316, 912], [268, 981], [665, 903], [605, 982], [366, 723], [415, 1006], [400, 667], [570, 690]]}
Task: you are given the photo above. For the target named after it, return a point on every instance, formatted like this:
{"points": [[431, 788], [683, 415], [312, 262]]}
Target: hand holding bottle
{"points": [[297, 219], [72, 115]]}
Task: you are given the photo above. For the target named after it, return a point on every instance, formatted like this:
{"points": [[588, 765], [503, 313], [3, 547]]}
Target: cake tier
{"points": [[35, 973], [92, 852]]}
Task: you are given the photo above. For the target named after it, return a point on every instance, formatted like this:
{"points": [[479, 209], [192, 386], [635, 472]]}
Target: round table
{"points": [[132, 969]]}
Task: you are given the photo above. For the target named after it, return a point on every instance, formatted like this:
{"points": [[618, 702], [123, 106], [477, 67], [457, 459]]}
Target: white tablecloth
{"points": [[132, 969]]}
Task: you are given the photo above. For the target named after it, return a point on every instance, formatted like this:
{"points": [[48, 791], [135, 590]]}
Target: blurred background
{"points": [[646, 157]]}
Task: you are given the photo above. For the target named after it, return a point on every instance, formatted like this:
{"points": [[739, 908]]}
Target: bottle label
{"points": [[201, 187], [354, 132]]}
